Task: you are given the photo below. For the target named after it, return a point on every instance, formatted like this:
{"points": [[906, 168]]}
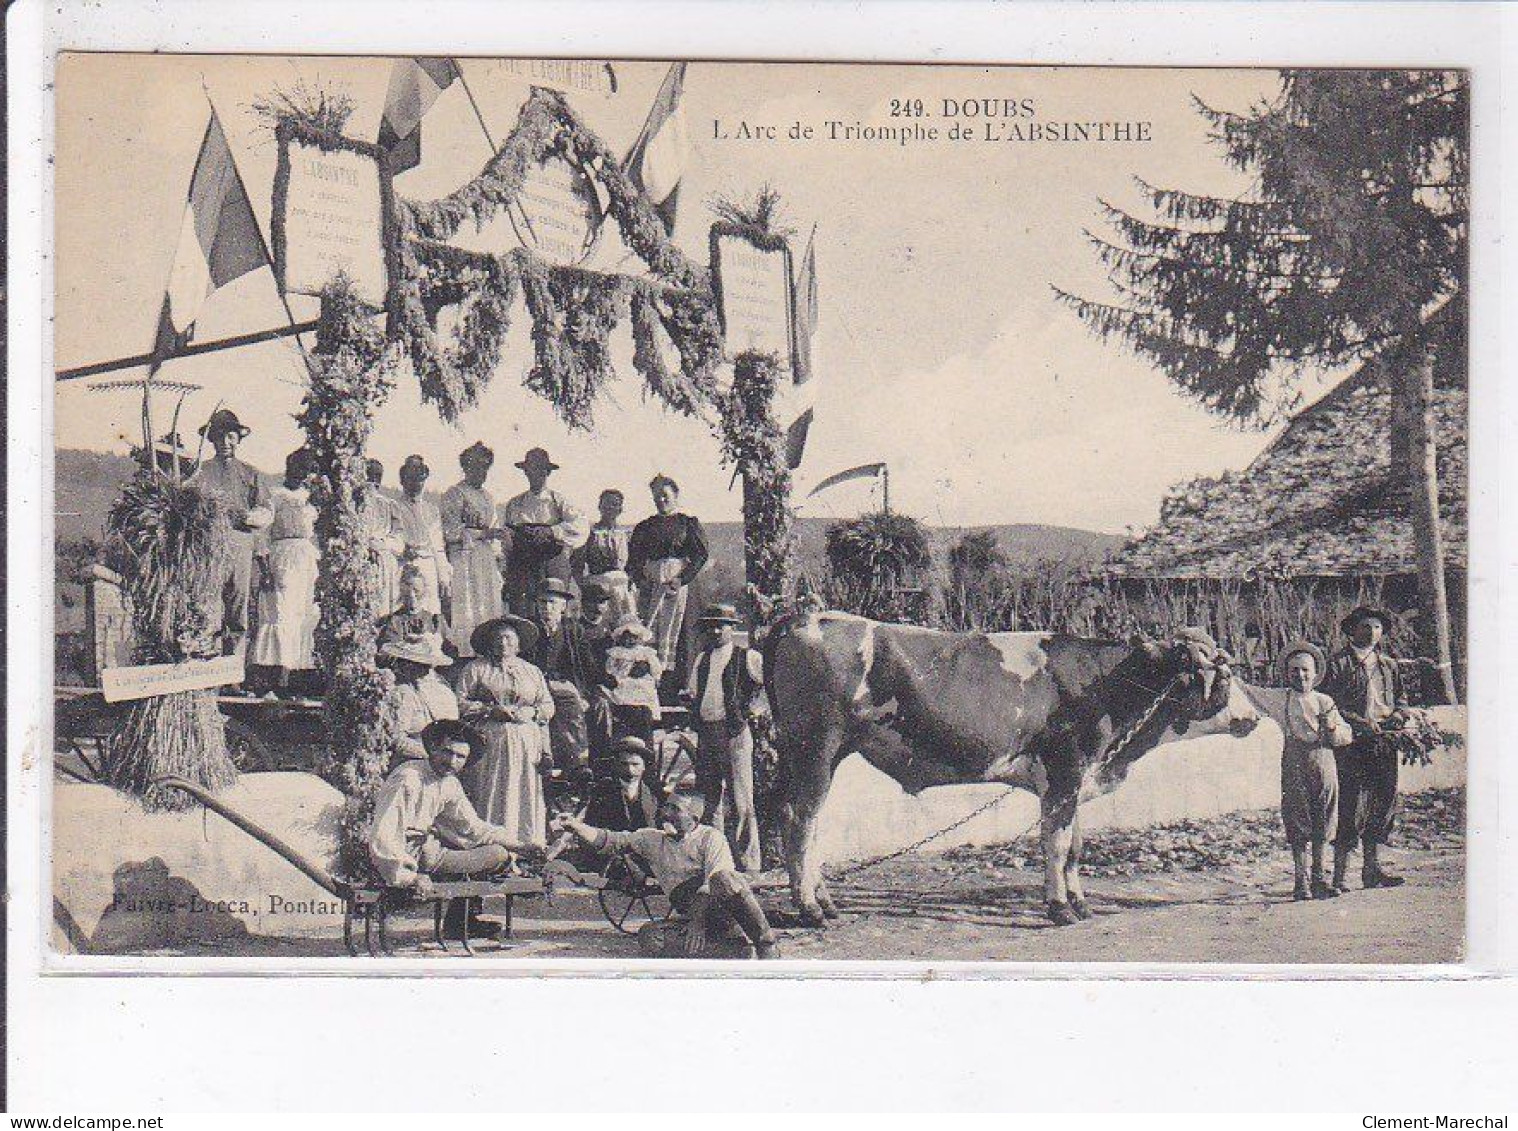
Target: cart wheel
{"points": [[249, 753], [628, 912]]}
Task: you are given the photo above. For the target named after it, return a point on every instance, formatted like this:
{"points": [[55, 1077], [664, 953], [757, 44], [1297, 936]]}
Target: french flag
{"points": [[656, 161], [415, 85], [803, 326], [219, 241]]}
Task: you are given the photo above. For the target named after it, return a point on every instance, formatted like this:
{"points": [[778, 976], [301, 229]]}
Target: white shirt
{"points": [[701, 852], [1377, 694], [712, 708]]}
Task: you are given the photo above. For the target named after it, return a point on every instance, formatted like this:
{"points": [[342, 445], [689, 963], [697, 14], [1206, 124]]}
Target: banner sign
{"points": [[568, 76], [122, 684], [329, 217], [754, 294], [557, 214]]}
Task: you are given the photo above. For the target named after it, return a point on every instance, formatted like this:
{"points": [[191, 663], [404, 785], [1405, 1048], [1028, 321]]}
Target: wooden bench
{"points": [[374, 905]]}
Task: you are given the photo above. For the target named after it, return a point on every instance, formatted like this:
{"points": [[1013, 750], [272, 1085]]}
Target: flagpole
{"points": [[479, 117]]}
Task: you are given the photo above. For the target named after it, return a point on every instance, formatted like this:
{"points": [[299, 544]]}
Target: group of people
{"points": [[524, 643], [1338, 782]]}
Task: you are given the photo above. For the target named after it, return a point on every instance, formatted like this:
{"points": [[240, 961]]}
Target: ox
{"points": [[1061, 716]]}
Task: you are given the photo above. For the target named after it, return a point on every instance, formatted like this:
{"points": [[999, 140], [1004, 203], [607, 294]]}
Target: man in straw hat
{"points": [[694, 867], [541, 528], [245, 492], [420, 697], [1367, 686], [723, 691], [424, 826], [468, 513]]}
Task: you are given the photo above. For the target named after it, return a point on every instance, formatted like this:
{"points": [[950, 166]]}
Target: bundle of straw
{"points": [[171, 544]]}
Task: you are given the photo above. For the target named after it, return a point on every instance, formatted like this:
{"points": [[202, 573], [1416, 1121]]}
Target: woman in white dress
{"points": [[386, 541], [468, 513], [283, 641], [506, 699]]}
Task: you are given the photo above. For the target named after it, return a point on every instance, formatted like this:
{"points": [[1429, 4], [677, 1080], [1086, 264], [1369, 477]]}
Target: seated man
{"points": [[424, 827], [420, 697], [694, 867]]}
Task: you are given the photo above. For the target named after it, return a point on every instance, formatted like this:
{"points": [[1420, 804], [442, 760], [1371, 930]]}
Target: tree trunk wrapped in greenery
{"points": [[753, 443], [172, 546], [1352, 241], [350, 377]]}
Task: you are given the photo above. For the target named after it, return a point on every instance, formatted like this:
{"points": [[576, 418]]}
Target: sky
{"points": [[940, 350]]}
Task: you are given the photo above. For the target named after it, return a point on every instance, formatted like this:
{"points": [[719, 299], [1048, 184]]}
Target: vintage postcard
{"points": [[540, 510]]}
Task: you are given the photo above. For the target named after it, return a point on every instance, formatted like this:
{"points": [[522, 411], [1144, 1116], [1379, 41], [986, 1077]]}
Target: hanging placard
{"points": [[752, 275], [557, 215], [332, 199]]}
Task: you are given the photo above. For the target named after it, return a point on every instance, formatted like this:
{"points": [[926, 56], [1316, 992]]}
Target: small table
{"points": [[374, 905]]}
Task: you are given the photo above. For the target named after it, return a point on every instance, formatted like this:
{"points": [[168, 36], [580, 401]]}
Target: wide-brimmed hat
{"points": [[1366, 612], [222, 421], [631, 744], [476, 451], [481, 640], [555, 587], [1312, 650], [419, 650], [537, 459], [630, 622], [593, 588], [720, 613]]}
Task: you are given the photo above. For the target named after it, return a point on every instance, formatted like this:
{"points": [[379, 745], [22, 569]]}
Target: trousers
{"points": [[437, 859], [1367, 793], [725, 776]]}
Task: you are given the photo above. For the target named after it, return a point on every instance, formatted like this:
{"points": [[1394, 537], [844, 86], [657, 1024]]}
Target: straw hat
{"points": [[1318, 658], [482, 639], [630, 622]]}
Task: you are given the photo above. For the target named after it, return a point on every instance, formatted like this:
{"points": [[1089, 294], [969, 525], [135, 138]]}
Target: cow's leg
{"points": [[1056, 825], [810, 779], [1073, 890]]}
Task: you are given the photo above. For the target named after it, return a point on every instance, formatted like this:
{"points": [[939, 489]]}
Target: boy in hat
{"points": [[1312, 728], [542, 529], [693, 866], [425, 828], [1367, 686], [724, 685], [246, 494]]}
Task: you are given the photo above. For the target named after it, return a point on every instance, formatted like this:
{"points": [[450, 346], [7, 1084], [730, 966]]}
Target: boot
{"points": [[1341, 867], [1299, 889], [1371, 872], [744, 907], [1320, 890]]}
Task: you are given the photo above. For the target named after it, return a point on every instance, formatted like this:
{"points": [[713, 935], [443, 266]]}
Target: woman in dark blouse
{"points": [[664, 555]]}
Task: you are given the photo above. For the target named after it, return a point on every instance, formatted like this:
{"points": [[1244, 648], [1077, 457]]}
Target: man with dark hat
{"points": [[246, 494], [1367, 687], [540, 528], [723, 691]]}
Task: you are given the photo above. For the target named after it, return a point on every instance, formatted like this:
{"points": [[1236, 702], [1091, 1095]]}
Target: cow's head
{"points": [[1200, 677]]}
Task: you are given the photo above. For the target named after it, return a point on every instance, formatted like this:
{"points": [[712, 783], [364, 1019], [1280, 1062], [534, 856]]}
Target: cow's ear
{"points": [[1181, 725]]}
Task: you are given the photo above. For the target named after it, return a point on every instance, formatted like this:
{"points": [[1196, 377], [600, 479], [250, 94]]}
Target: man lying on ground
{"points": [[421, 806], [694, 867]]}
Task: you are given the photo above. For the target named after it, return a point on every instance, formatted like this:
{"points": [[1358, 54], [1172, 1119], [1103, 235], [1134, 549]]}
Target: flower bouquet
{"points": [[1414, 736]]}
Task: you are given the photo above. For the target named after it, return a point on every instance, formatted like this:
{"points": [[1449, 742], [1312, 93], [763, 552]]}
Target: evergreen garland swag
{"points": [[754, 443]]}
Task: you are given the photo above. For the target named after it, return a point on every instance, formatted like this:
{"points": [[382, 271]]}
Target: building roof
{"points": [[1321, 500]]}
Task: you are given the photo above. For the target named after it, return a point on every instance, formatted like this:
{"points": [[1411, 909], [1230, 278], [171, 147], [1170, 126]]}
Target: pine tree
{"points": [[1349, 248]]}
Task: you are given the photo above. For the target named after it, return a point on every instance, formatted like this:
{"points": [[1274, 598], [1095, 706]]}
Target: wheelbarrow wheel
{"points": [[628, 908]]}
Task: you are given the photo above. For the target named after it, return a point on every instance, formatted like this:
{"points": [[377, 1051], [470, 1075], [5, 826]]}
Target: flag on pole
{"points": [[219, 241], [656, 161], [414, 86], [803, 325]]}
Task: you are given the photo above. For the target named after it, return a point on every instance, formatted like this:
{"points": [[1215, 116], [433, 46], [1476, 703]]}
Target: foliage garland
{"points": [[753, 443], [351, 374]]}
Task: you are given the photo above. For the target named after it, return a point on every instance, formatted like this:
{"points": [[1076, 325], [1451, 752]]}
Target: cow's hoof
{"points": [[1061, 915], [812, 916], [1081, 908], [829, 908]]}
